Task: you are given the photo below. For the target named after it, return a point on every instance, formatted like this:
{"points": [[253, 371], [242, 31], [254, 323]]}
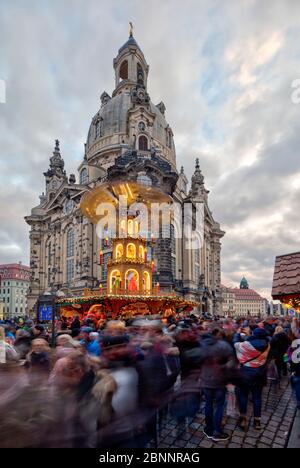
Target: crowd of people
{"points": [[112, 383]]}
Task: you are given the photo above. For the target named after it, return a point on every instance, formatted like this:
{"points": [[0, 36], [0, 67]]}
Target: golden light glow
{"points": [[119, 251], [114, 280]]}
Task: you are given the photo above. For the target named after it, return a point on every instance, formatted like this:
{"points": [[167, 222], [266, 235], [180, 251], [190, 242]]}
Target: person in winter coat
{"points": [[93, 346], [279, 346], [121, 432], [157, 372], [22, 343], [75, 325], [216, 361], [252, 355], [82, 401], [38, 362]]}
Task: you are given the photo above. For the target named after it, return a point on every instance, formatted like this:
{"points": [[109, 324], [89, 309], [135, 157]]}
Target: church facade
{"points": [[128, 139]]}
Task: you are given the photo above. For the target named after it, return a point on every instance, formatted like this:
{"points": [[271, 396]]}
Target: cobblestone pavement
{"points": [[279, 409]]}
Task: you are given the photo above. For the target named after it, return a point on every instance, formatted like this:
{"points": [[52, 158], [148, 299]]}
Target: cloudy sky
{"points": [[224, 71]]}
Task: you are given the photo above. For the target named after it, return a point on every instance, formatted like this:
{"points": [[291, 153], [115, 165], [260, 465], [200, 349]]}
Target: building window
{"points": [[70, 254], [83, 176], [197, 256], [142, 127], [49, 253], [139, 74], [98, 129], [70, 269], [70, 243], [143, 143], [124, 70], [106, 256]]}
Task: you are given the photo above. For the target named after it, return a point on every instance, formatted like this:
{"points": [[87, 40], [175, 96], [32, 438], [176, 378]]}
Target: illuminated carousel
{"points": [[130, 291]]}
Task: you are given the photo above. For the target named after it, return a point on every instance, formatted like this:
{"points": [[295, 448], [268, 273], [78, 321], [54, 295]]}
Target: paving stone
{"points": [[269, 434], [260, 445], [237, 440], [279, 441], [234, 446], [206, 444], [264, 440]]}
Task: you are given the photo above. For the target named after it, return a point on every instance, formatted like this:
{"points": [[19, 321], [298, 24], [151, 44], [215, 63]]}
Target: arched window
{"points": [[132, 280], [124, 70], [98, 129], [131, 251], [130, 227], [115, 281], [146, 281], [119, 251], [83, 176], [70, 254], [168, 138], [141, 252], [143, 143]]}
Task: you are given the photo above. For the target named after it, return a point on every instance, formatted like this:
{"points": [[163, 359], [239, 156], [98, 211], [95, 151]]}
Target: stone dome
{"points": [[129, 118]]}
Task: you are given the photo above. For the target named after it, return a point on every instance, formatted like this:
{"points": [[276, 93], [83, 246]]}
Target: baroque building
{"points": [[128, 139]]}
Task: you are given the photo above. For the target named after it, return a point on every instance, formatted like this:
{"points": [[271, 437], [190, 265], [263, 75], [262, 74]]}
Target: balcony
{"points": [[155, 291], [128, 261]]}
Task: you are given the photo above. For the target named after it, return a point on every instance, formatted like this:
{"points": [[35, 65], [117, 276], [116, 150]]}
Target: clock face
{"points": [[141, 95], [69, 205]]}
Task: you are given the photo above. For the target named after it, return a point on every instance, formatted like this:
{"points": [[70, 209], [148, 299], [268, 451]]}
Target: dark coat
{"points": [[215, 361], [279, 345]]}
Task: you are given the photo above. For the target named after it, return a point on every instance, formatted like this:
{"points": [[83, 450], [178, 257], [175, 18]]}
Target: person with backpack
{"points": [[252, 355]]}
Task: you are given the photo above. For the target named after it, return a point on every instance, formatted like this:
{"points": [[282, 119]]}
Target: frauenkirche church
{"points": [[128, 139]]}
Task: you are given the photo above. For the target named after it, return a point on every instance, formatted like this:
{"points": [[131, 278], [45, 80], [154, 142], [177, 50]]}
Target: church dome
{"points": [[129, 118], [113, 117]]}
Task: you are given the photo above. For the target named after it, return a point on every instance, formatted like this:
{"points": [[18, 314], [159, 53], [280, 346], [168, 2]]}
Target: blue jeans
{"points": [[214, 416], [243, 393]]}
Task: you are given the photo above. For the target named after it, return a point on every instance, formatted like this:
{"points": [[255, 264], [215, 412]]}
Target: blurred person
{"points": [[7, 351], [75, 324], [158, 372], [10, 333], [84, 336], [38, 331], [187, 396], [65, 344], [122, 431], [83, 401], [22, 343], [115, 328], [38, 361], [279, 346], [295, 327], [64, 323], [215, 358], [252, 355], [93, 347]]}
